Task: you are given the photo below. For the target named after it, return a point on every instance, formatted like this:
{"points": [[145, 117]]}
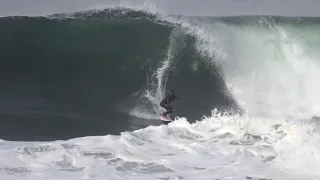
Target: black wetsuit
{"points": [[166, 103]]}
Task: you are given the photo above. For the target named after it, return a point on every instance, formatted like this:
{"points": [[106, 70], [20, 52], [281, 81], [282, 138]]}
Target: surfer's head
{"points": [[172, 92]]}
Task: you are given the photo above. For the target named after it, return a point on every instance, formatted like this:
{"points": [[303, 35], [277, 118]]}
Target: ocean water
{"points": [[81, 91]]}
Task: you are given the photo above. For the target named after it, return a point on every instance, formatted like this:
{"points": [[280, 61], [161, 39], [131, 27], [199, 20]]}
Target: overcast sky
{"points": [[185, 7]]}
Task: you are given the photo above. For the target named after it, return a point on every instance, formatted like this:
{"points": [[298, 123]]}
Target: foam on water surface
{"points": [[219, 147]]}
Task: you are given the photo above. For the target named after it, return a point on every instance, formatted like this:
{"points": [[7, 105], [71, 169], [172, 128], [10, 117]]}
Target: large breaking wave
{"points": [[100, 72], [93, 67]]}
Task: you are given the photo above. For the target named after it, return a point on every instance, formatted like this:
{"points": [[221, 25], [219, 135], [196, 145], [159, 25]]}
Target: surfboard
{"points": [[165, 119]]}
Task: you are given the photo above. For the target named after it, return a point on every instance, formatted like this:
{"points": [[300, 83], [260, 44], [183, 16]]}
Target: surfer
{"points": [[166, 103]]}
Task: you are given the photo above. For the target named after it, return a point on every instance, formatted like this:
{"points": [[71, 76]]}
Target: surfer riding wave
{"points": [[166, 103]]}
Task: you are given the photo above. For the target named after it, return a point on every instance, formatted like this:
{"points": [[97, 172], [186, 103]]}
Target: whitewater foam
{"points": [[218, 147], [275, 77]]}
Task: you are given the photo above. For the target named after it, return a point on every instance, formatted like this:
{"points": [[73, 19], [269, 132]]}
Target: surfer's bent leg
{"points": [[168, 108]]}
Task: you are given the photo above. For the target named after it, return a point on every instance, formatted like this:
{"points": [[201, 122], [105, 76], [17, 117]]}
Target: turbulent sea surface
{"points": [[80, 96]]}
